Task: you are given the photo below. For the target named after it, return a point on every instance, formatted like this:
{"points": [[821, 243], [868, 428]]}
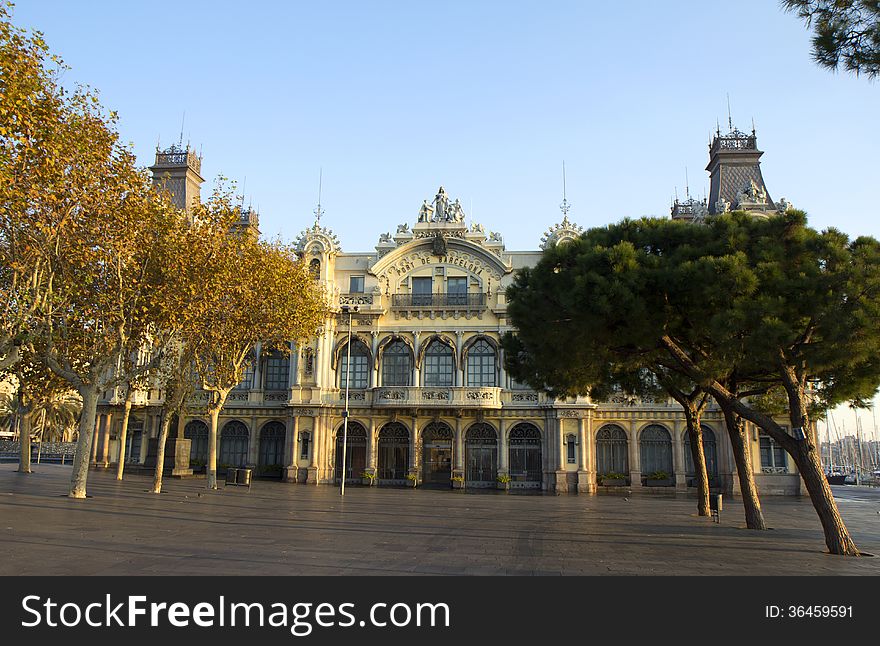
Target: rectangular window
{"points": [[570, 445], [456, 290], [356, 285], [772, 456], [247, 377], [277, 373], [305, 441], [421, 289], [360, 371]]}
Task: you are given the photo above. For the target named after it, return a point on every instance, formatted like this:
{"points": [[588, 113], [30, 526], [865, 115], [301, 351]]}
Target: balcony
{"points": [[440, 397], [434, 305]]}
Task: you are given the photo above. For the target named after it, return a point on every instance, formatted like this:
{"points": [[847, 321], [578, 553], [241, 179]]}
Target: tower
{"points": [[177, 170], [734, 167]]}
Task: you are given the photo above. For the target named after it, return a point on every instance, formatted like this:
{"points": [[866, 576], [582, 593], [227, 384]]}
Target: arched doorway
{"points": [[481, 455], [271, 458], [437, 453], [525, 455], [197, 432], [233, 445], [393, 450], [355, 452]]}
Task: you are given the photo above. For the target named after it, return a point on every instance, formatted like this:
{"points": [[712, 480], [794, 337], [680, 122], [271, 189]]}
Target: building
{"points": [[428, 395]]}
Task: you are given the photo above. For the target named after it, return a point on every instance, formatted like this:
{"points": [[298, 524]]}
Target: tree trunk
{"points": [[695, 434], [123, 436], [211, 470], [80, 472], [809, 464], [739, 442], [160, 454], [24, 435]]}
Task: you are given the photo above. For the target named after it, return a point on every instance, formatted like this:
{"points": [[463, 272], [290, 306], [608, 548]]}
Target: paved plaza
{"points": [[283, 529]]}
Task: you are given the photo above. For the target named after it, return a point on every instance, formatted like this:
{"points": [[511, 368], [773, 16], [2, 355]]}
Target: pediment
{"points": [[456, 252]]}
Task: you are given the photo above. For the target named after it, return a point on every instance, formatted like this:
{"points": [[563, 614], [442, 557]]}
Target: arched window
{"points": [[277, 372], [439, 365], [272, 449], [355, 451], [396, 365], [481, 364], [315, 268], [655, 448], [481, 454], [197, 432], [393, 451], [710, 451], [525, 453], [233, 445], [360, 366], [611, 450]]}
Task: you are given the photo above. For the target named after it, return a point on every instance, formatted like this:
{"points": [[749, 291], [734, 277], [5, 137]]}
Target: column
{"points": [[558, 425], [96, 437], [289, 452], [105, 451], [258, 372], [678, 460], [416, 380], [459, 446], [459, 373], [635, 465], [374, 366], [253, 444], [293, 371], [503, 462], [586, 478], [412, 445], [312, 477], [371, 446], [502, 373]]}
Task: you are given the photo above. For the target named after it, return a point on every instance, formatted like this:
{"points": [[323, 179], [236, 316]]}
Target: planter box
{"points": [[665, 482], [613, 482]]}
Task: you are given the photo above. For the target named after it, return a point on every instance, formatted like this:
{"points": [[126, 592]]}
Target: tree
{"points": [[741, 301], [252, 292], [600, 301], [810, 329], [51, 144], [845, 33]]}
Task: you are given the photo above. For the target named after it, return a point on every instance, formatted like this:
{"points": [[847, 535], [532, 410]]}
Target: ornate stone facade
{"points": [[428, 393]]}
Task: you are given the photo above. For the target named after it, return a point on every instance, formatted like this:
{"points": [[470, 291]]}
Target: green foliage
{"points": [[659, 475], [503, 478], [845, 33], [613, 475]]}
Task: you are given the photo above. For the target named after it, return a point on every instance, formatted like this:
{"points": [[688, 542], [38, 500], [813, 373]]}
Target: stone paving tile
{"points": [[283, 529]]}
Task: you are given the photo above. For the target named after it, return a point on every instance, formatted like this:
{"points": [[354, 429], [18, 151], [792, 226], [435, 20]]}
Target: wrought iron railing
{"points": [[466, 301]]}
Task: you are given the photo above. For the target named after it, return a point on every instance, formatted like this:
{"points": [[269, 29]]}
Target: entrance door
{"points": [[438, 462], [437, 453]]}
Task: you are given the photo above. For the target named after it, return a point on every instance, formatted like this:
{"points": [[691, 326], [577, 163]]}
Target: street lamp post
{"points": [[346, 310]]}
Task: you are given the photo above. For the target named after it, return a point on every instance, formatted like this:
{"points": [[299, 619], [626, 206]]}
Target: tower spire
{"points": [[318, 211], [565, 207], [729, 117]]}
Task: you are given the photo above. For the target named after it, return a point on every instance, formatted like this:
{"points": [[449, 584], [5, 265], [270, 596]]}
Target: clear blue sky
{"points": [[393, 99]]}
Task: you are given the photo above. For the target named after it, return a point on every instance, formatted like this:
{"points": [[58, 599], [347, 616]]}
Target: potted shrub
{"points": [[503, 481], [369, 478], [659, 479], [457, 482], [613, 479], [413, 479]]}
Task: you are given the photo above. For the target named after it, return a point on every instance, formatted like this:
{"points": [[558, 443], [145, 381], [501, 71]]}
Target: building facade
{"points": [[415, 337]]}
